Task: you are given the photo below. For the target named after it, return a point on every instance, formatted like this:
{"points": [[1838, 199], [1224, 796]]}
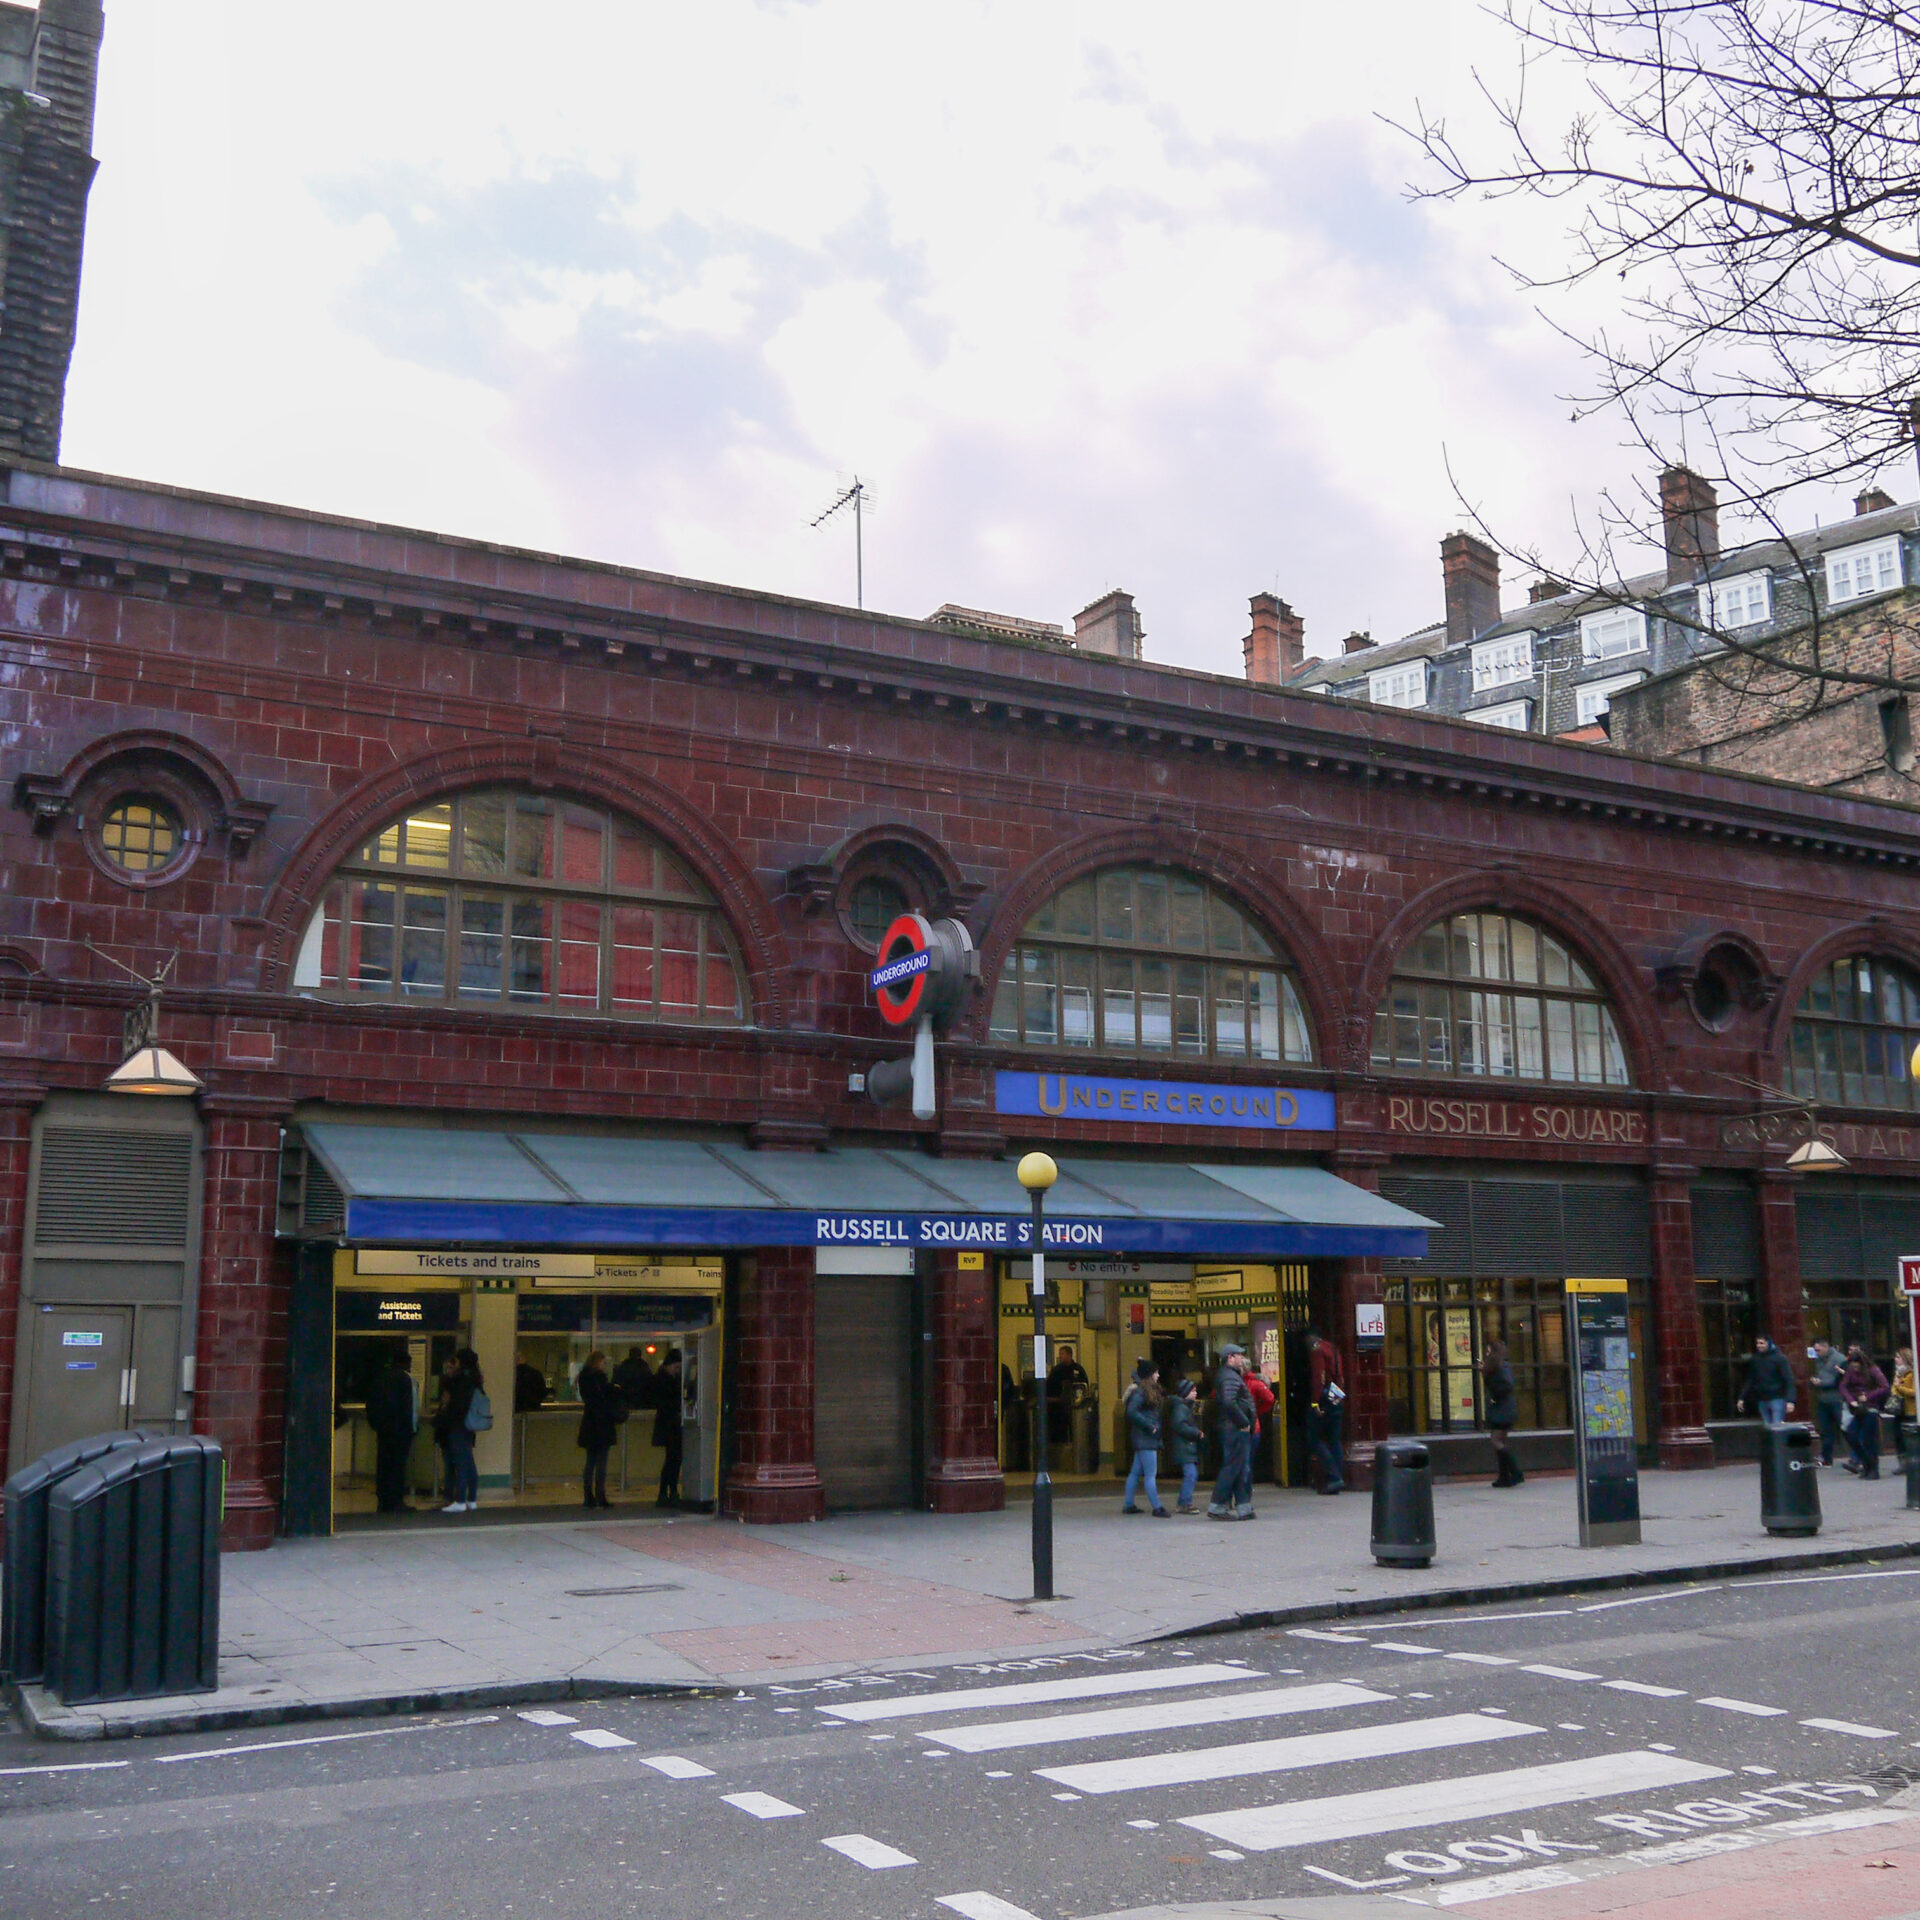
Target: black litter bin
{"points": [[1403, 1506], [1789, 1480], [133, 1573], [23, 1597]]}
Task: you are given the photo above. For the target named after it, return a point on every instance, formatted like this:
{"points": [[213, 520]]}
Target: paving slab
{"points": [[447, 1617]]}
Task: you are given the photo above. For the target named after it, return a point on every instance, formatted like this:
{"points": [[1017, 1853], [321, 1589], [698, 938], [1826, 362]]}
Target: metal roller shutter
{"points": [[1609, 1231], [1726, 1234], [1450, 1247], [105, 1187], [1516, 1228], [1829, 1226], [863, 1390]]}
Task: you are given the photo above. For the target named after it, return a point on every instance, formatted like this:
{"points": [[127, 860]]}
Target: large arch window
{"points": [[1854, 1032], [516, 900], [1485, 993], [1141, 960]]}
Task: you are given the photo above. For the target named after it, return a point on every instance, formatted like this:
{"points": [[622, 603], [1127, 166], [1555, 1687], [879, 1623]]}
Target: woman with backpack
{"points": [[1143, 1432], [601, 1413], [463, 1411]]}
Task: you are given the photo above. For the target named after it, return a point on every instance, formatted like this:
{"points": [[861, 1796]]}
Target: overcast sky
{"points": [[1099, 295]]}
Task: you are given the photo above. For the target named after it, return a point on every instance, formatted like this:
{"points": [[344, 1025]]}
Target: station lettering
{"points": [[1515, 1120], [946, 1230]]}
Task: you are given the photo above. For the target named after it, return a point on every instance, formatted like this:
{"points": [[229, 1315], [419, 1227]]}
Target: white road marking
{"points": [[983, 1906], [1739, 1706], [998, 1773], [1561, 1673], [65, 1766], [1225, 1853], [1461, 1893], [1349, 1816], [1145, 1826], [1827, 1579], [763, 1806], [1338, 1639], [1280, 1756], [1493, 1619], [1646, 1599], [1066, 1796], [1400, 1646], [1158, 1717], [676, 1768], [599, 1737], [902, 1706], [1853, 1727], [1652, 1693], [867, 1852], [1484, 1659], [546, 1717], [323, 1739]]}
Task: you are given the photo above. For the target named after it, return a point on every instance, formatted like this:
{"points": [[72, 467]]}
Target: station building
{"points": [[519, 912]]}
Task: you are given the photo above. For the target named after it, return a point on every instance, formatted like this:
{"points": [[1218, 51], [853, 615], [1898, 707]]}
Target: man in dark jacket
{"points": [[636, 1380], [1233, 1407], [1326, 1403], [1824, 1368], [666, 1429], [390, 1413], [1769, 1388]]}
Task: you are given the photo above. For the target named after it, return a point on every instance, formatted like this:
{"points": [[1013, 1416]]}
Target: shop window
{"points": [[1853, 1036], [1149, 962], [1489, 994], [140, 835], [1727, 1327], [522, 901]]}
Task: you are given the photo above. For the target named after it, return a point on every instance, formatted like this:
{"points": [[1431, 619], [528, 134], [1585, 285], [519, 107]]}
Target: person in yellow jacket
{"points": [[1901, 1401]]}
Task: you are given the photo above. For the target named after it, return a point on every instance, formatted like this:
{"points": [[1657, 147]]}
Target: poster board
{"points": [[1599, 1345]]}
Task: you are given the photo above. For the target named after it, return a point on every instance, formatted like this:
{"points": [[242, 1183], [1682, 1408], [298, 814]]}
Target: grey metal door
{"points": [[81, 1357]]}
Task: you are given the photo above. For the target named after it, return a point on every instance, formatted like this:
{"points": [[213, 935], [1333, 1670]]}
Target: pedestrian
{"points": [[1901, 1400], [529, 1386], [667, 1429], [636, 1380], [1823, 1372], [1182, 1438], [601, 1413], [1863, 1387], [391, 1415], [461, 1385], [1143, 1433], [1233, 1408], [1065, 1380], [1503, 1411], [1769, 1388], [1326, 1411]]}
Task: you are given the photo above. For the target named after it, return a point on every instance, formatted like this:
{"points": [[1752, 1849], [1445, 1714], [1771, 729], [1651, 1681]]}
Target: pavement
{"points": [[440, 1617]]}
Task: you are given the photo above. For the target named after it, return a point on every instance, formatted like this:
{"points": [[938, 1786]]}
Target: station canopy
{"points": [[443, 1186]]}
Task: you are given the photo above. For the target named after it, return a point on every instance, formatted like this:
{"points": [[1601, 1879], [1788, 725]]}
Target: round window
{"points": [[873, 906], [140, 835]]}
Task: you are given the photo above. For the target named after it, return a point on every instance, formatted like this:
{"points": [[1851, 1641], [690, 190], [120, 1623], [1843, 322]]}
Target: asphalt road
{"points": [[1424, 1751]]}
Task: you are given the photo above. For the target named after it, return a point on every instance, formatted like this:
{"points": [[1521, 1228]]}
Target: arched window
{"points": [[1485, 993], [1141, 960], [1854, 1032], [518, 900]]}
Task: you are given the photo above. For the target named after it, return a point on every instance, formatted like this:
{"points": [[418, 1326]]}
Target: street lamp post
{"points": [[1037, 1173]]}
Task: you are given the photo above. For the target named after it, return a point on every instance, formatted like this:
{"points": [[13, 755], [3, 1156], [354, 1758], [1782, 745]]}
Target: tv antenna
{"points": [[860, 497]]}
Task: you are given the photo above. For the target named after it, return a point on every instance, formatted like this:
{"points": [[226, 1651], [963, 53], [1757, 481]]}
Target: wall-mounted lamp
{"points": [[148, 1067]]}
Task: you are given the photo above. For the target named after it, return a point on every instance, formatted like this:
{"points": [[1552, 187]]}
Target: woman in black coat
{"points": [[601, 1412], [1503, 1410]]}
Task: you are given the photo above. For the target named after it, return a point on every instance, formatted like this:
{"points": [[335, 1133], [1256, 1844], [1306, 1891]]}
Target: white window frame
{"points": [[1857, 573], [1744, 601], [1592, 699], [1515, 714], [1389, 686], [1601, 634], [1502, 662]]}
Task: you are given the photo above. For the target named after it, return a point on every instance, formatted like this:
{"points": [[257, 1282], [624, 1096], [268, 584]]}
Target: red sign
{"points": [[1910, 1273], [900, 978]]}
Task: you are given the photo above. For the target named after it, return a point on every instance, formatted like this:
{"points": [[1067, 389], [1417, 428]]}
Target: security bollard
{"points": [[1789, 1481], [1403, 1533]]}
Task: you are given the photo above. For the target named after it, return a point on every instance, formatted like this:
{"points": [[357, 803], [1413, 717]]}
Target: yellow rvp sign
{"points": [[1596, 1286]]}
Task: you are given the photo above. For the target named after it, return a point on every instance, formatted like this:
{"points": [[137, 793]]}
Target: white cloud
{"points": [[1096, 294]]}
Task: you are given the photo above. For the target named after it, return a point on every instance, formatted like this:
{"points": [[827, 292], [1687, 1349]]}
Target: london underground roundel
{"points": [[899, 981]]}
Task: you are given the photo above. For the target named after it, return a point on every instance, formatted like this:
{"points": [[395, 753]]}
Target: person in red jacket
{"points": [[1326, 1405]]}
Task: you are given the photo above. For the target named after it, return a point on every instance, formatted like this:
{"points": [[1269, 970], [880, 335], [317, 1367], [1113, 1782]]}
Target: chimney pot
{"points": [[1471, 572], [1111, 625], [1356, 643], [1690, 517], [1276, 648], [1874, 500]]}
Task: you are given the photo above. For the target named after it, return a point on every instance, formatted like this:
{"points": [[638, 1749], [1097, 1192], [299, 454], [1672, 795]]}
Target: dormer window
{"points": [[1500, 663], [1606, 636], [1744, 601], [1401, 686], [1855, 572]]}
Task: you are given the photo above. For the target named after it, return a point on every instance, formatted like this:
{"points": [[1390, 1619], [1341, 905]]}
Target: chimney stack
{"points": [[1546, 588], [1356, 643], [1276, 649], [1690, 514], [1111, 625], [1471, 570], [1874, 500]]}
